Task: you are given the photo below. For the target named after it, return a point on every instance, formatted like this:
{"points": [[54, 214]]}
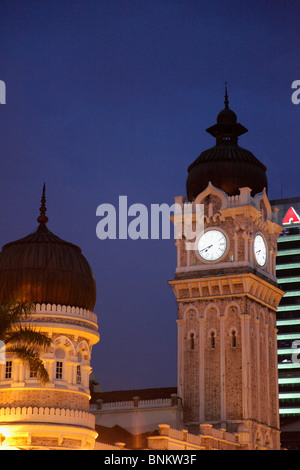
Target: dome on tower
{"points": [[226, 165], [43, 268]]}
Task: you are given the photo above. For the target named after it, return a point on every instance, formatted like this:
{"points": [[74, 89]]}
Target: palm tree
{"points": [[23, 341]]}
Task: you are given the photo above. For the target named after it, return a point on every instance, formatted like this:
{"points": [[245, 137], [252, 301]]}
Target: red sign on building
{"points": [[291, 217]]}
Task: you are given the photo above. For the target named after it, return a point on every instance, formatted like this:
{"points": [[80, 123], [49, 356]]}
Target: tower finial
{"points": [[226, 102], [42, 218]]}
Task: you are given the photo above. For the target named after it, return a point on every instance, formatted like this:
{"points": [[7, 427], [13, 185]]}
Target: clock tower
{"points": [[227, 294]]}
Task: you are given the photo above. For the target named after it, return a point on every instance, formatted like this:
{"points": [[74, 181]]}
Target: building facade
{"points": [[288, 320]]}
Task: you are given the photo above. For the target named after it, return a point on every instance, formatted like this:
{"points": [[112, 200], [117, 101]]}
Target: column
{"points": [[251, 241], [267, 359], [180, 354], [222, 369], [258, 374], [245, 344], [246, 241], [236, 239], [51, 364], [201, 322], [177, 243]]}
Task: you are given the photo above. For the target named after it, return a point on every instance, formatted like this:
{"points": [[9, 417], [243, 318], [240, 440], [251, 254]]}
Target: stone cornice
{"points": [[234, 285], [64, 318]]}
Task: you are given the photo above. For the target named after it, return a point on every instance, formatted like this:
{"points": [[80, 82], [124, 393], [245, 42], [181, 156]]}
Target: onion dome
{"points": [[226, 165], [43, 268]]}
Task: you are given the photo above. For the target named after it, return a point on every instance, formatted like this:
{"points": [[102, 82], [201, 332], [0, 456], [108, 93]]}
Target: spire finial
{"points": [[226, 102], [42, 218]]}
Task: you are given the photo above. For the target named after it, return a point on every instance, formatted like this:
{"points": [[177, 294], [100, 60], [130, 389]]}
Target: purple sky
{"points": [[112, 97]]}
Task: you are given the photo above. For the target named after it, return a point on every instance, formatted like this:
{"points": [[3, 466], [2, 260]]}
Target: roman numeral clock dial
{"points": [[260, 250], [212, 245]]}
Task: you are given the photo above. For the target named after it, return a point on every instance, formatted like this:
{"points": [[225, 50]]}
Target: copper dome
{"points": [[226, 165], [43, 268]]}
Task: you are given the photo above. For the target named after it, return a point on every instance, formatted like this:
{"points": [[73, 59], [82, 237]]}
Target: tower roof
{"points": [[43, 268], [226, 165]]}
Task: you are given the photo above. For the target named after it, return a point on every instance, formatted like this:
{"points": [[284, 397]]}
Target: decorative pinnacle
{"points": [[42, 218], [226, 102]]}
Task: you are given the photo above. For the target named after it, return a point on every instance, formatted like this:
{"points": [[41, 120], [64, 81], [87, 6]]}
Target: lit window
{"points": [[59, 370], [33, 373], [8, 369]]}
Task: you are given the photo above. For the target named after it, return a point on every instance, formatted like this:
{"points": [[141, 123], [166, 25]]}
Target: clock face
{"points": [[260, 250], [212, 245]]}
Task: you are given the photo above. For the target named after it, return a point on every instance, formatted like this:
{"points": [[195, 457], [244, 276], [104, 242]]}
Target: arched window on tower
{"points": [[212, 340], [192, 342], [233, 339]]}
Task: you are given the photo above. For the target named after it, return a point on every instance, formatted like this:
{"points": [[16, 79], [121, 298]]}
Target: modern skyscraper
{"points": [[288, 318]]}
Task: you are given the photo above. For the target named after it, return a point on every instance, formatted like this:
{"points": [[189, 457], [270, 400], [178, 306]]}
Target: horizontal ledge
{"points": [[41, 414]]}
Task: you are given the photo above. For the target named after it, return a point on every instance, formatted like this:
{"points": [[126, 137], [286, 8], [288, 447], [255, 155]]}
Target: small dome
{"points": [[226, 117], [226, 165], [43, 268]]}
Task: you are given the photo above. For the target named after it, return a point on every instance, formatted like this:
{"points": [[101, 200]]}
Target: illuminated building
{"points": [[288, 320], [227, 296], [55, 276]]}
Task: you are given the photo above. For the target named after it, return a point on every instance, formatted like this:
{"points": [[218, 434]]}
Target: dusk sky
{"points": [[112, 97]]}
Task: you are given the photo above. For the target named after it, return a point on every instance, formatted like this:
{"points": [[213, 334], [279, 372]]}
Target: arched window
{"points": [[212, 340], [192, 342], [233, 339]]}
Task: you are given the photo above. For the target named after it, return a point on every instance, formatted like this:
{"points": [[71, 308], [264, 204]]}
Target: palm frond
{"points": [[27, 335], [24, 341], [30, 356], [12, 313]]}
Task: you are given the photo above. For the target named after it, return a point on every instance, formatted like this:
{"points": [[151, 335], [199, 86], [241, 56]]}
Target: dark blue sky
{"points": [[112, 97]]}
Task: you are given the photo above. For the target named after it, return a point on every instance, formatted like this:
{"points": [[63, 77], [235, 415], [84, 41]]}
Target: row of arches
{"points": [[259, 314], [64, 347], [212, 339], [69, 358]]}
